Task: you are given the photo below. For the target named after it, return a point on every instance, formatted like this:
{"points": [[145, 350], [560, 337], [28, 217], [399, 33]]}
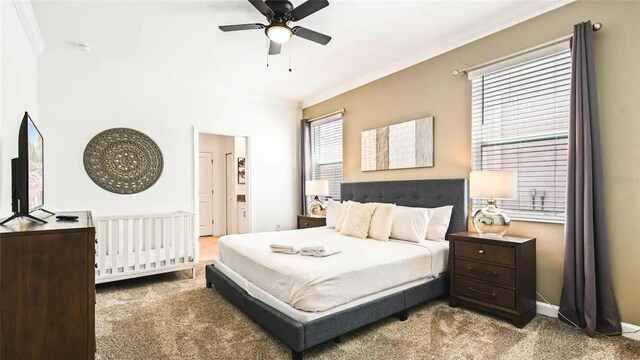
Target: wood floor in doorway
{"points": [[209, 248]]}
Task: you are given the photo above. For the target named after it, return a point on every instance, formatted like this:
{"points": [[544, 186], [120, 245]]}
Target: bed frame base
{"points": [[303, 336]]}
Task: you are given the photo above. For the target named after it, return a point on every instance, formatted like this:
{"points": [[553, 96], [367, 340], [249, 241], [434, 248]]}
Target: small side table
{"points": [[493, 274]]}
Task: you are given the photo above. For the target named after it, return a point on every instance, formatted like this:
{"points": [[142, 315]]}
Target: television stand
{"points": [[28, 216], [47, 211]]}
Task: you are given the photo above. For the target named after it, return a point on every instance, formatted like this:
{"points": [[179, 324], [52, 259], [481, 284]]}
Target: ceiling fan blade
{"points": [[226, 28], [262, 7], [307, 8], [274, 48], [311, 35]]}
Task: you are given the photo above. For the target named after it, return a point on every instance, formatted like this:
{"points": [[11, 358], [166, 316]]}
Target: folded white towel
{"points": [[318, 251], [313, 248], [283, 249]]}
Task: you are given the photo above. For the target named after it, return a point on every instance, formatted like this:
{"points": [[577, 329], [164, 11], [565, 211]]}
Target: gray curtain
{"points": [[305, 161], [587, 293]]}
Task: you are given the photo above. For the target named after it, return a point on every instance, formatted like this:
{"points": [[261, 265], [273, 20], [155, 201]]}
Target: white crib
{"points": [[141, 245]]}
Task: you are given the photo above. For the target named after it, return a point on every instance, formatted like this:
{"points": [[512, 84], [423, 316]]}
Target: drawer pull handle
{"points": [[480, 251], [482, 271], [481, 292], [306, 224]]}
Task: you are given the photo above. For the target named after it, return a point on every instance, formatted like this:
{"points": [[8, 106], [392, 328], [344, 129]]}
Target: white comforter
{"points": [[363, 267]]}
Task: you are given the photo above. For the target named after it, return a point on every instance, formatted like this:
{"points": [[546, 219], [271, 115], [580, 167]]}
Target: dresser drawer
{"points": [[504, 255], [488, 294], [490, 273]]}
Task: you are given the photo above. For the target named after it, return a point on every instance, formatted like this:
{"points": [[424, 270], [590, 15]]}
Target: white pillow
{"points": [[439, 219], [335, 210], [357, 220], [409, 223], [381, 222], [343, 214]]}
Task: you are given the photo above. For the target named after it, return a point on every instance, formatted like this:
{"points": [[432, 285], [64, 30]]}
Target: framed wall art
{"points": [[405, 145]]}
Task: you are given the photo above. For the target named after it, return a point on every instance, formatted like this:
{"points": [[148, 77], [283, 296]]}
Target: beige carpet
{"points": [[174, 317]]}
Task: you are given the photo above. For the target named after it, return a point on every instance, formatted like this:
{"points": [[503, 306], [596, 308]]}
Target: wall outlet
{"points": [[277, 227]]}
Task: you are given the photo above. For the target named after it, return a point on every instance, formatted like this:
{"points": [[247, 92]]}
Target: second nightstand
{"points": [[306, 221], [496, 275]]}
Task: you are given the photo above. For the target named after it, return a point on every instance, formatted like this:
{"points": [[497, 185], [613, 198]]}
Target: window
{"points": [[326, 153], [520, 121]]}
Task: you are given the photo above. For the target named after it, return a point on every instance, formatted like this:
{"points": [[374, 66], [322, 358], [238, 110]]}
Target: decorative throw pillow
{"points": [[335, 210], [342, 215], [439, 222], [357, 220], [381, 222], [409, 223]]}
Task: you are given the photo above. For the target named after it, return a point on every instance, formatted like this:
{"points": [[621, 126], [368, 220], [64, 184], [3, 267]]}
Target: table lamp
{"points": [[316, 188], [492, 184]]}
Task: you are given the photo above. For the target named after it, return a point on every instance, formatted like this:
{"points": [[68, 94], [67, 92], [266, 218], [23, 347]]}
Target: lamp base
{"points": [[491, 220], [317, 208]]}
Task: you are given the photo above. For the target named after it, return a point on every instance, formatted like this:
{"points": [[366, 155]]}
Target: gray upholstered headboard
{"points": [[415, 193]]}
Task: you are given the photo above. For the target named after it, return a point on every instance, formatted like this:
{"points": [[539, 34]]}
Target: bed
{"points": [[307, 301]]}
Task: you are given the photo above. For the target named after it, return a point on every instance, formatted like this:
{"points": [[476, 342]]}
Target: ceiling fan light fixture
{"points": [[279, 33]]}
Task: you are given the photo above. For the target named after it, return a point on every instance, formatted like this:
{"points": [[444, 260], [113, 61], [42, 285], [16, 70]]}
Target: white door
{"points": [[231, 193], [206, 194]]}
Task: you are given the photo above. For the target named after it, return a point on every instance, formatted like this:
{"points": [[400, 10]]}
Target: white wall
{"points": [[18, 71], [81, 94]]}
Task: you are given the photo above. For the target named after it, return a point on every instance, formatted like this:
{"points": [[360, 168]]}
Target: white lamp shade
{"points": [[496, 184], [316, 187]]}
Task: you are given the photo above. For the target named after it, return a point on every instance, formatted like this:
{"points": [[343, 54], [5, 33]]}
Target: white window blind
{"points": [[520, 121], [326, 153]]}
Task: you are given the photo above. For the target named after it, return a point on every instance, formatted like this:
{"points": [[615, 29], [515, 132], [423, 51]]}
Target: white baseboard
{"points": [[548, 310]]}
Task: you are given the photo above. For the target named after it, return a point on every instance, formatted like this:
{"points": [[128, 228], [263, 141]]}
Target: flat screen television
{"points": [[27, 172]]}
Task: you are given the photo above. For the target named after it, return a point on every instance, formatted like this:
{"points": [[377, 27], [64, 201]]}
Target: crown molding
{"points": [[428, 53], [30, 25]]}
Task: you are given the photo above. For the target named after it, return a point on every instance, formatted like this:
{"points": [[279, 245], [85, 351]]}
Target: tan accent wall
{"points": [[428, 88]]}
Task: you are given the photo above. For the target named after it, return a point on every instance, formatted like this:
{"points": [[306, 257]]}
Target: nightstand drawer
{"points": [[504, 255], [490, 273], [305, 223], [309, 222], [488, 294]]}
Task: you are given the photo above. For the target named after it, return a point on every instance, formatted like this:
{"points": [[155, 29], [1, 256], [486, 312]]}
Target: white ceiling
{"points": [[370, 39]]}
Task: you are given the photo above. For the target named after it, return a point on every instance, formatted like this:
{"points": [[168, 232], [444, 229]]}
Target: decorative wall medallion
{"points": [[400, 146], [123, 161]]}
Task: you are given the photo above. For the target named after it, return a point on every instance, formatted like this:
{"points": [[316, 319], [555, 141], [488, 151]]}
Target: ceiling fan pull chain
{"points": [[268, 52], [290, 52]]}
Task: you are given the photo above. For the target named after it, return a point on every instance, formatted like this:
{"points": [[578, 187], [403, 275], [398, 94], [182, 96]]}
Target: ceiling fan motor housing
{"points": [[280, 7]]}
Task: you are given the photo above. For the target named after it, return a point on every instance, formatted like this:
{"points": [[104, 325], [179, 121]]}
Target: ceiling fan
{"points": [[279, 14]]}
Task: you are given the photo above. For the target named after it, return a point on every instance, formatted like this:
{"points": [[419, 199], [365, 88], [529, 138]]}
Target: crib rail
{"points": [[139, 245]]}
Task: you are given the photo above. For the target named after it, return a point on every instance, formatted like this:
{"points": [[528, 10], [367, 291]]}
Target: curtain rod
{"points": [[596, 27], [341, 112]]}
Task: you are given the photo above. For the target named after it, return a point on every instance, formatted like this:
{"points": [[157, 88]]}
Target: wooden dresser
{"points": [[496, 275], [306, 221], [47, 292]]}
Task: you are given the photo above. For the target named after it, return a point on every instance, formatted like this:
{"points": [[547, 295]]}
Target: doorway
{"points": [[222, 183]]}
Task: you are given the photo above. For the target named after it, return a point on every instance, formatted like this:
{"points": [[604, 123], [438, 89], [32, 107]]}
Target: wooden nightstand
{"points": [[495, 275], [306, 221]]}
